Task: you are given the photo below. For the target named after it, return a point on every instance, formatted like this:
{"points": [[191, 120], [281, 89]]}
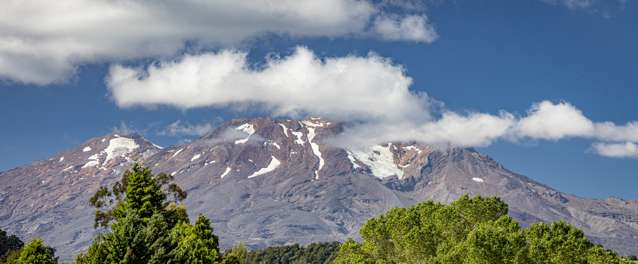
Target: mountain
{"points": [[273, 182]]}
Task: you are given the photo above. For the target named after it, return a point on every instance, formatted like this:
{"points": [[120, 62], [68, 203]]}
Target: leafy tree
{"points": [[9, 244], [193, 243], [320, 252], [352, 253], [471, 231], [312, 253], [557, 243], [236, 255], [144, 223], [36, 252]]}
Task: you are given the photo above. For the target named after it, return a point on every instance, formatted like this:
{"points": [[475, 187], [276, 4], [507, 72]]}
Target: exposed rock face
{"points": [[271, 182]]}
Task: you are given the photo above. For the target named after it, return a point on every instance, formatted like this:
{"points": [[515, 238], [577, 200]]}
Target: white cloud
{"points": [[577, 4], [612, 132], [369, 91], [572, 4], [412, 28], [124, 129], [473, 129], [345, 88], [42, 41], [616, 150], [179, 128], [547, 120]]}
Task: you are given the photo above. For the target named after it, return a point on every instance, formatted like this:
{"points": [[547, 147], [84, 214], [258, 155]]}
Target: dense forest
{"points": [[143, 221]]}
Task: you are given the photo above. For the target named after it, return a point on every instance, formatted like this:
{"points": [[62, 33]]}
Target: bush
{"points": [[469, 230]]}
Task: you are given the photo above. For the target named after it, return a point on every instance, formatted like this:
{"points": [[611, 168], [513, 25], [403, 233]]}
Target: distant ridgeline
{"points": [[143, 221]]}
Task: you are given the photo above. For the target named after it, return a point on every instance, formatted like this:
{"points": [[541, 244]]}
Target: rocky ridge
{"points": [[271, 182]]}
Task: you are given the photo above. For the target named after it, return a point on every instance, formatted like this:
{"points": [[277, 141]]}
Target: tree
{"points": [[352, 253], [36, 252], [9, 244], [193, 243], [471, 231], [144, 223], [236, 255], [313, 253]]}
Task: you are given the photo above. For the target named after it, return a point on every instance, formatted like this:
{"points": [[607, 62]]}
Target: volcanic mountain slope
{"points": [[270, 182]]}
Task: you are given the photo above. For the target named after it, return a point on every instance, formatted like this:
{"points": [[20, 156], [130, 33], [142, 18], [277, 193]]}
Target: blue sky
{"points": [[488, 57]]}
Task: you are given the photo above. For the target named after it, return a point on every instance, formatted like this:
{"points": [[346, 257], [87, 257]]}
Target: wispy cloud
{"points": [[72, 32], [124, 129], [179, 128], [411, 28], [616, 150], [604, 7], [369, 91]]}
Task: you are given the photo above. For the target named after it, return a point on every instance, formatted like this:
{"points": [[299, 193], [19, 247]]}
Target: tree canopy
{"points": [[145, 224], [9, 244], [36, 252], [318, 253], [472, 231]]}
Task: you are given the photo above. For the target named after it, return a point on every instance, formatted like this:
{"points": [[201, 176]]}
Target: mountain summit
{"points": [[272, 182]]}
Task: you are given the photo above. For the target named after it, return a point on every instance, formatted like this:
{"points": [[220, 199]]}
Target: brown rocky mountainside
{"points": [[271, 182]]}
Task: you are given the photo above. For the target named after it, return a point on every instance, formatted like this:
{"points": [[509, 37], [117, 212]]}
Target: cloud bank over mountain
{"points": [[370, 92], [42, 42]]}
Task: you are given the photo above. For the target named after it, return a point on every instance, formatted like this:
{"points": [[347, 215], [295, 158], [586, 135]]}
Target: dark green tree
{"points": [[471, 231], [9, 244], [236, 255], [313, 253], [36, 252], [143, 222]]}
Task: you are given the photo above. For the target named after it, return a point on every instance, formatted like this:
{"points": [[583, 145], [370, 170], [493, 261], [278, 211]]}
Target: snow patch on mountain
{"points": [[315, 150], [380, 160], [299, 136], [477, 179], [312, 124], [119, 146], [61, 159], [176, 152], [412, 147], [353, 161], [196, 156], [248, 129], [274, 163], [276, 145], [91, 163], [284, 128], [86, 149], [225, 172]]}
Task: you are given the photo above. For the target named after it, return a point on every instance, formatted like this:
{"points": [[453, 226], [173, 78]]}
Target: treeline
{"points": [[13, 250], [143, 221], [316, 253], [469, 230]]}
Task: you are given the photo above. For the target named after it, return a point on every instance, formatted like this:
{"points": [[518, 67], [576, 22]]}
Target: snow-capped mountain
{"points": [[271, 182]]}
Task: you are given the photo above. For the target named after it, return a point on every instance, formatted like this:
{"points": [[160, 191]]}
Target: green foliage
{"points": [[145, 226], [193, 243], [471, 231], [557, 243], [312, 253], [36, 252], [236, 255], [352, 253], [8, 245], [11, 257]]}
